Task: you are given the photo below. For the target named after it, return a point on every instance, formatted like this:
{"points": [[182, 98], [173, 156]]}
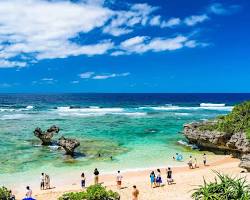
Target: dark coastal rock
{"points": [[46, 136], [68, 145], [245, 162], [236, 143]]}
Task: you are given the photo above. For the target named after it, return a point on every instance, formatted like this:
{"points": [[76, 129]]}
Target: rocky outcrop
{"points": [[236, 143], [46, 136], [68, 145], [245, 162]]}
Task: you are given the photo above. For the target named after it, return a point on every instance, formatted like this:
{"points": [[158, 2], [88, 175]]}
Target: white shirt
{"points": [[119, 177]]}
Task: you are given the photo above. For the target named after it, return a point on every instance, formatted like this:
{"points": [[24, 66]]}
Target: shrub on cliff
{"points": [[236, 121], [224, 187], [4, 193], [94, 192]]}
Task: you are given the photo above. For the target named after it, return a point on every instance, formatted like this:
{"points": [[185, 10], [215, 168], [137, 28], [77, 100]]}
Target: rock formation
{"points": [[216, 140], [245, 162], [68, 145], [236, 143], [46, 136]]}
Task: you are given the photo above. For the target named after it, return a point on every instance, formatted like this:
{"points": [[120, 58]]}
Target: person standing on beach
{"points": [[158, 178], [83, 180], [204, 159], [42, 184], [96, 174], [135, 193], [190, 162], [152, 179], [119, 180], [28, 192], [169, 176], [47, 181]]}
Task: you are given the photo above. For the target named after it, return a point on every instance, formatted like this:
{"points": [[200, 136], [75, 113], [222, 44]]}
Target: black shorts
{"points": [[42, 184]]}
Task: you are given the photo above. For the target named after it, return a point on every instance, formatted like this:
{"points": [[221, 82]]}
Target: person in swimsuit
{"points": [[96, 174], [169, 176], [135, 193], [152, 179], [83, 180]]}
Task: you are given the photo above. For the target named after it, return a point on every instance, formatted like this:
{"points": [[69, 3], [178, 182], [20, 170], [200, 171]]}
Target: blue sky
{"points": [[124, 46]]}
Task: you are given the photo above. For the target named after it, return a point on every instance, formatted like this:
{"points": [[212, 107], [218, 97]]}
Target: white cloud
{"points": [[123, 21], [195, 19], [220, 9], [171, 22], [74, 82], [107, 76], [141, 44], [44, 29], [86, 75], [5, 85], [155, 21], [47, 79]]}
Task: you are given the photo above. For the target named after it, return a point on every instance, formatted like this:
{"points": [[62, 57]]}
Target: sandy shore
{"points": [[186, 180]]}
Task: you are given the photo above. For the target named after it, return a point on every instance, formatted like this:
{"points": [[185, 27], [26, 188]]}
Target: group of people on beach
{"points": [[45, 182], [192, 162], [156, 179], [119, 177]]}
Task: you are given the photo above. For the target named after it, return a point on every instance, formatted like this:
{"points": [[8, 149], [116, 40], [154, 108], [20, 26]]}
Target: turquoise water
{"points": [[137, 131]]}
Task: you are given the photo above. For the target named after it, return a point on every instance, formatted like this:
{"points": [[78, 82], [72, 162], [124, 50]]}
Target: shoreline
{"points": [[138, 177]]}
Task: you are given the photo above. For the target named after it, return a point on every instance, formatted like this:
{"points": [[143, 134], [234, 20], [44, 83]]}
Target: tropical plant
{"points": [[4, 193], [223, 188], [94, 192]]}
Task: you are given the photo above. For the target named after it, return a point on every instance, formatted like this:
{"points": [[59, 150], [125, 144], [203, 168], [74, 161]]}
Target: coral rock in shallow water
{"points": [[245, 162], [46, 136], [68, 144]]}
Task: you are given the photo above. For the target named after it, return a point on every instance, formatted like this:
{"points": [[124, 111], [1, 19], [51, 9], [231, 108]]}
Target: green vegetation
{"points": [[94, 192], [236, 121], [4, 193], [225, 188]]}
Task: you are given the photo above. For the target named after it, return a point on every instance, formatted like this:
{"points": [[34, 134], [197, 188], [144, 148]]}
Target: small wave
{"points": [[29, 107], [212, 105], [182, 114], [93, 109], [13, 117], [184, 143], [174, 108]]}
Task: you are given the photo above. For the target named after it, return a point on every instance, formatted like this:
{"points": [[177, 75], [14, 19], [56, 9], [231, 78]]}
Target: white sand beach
{"points": [[185, 181]]}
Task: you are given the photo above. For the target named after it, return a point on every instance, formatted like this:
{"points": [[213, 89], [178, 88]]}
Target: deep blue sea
{"points": [[137, 130]]}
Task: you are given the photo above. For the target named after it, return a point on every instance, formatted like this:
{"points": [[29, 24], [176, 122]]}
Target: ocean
{"points": [[137, 130]]}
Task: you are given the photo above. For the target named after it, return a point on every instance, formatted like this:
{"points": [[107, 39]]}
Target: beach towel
{"points": [[29, 198]]}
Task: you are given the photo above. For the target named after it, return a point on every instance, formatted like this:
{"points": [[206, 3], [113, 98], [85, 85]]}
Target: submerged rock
{"points": [[245, 162], [68, 145], [46, 136]]}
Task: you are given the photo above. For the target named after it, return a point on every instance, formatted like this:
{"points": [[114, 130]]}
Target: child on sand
{"points": [[152, 179], [83, 179], [119, 180], [28, 192], [135, 193]]}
